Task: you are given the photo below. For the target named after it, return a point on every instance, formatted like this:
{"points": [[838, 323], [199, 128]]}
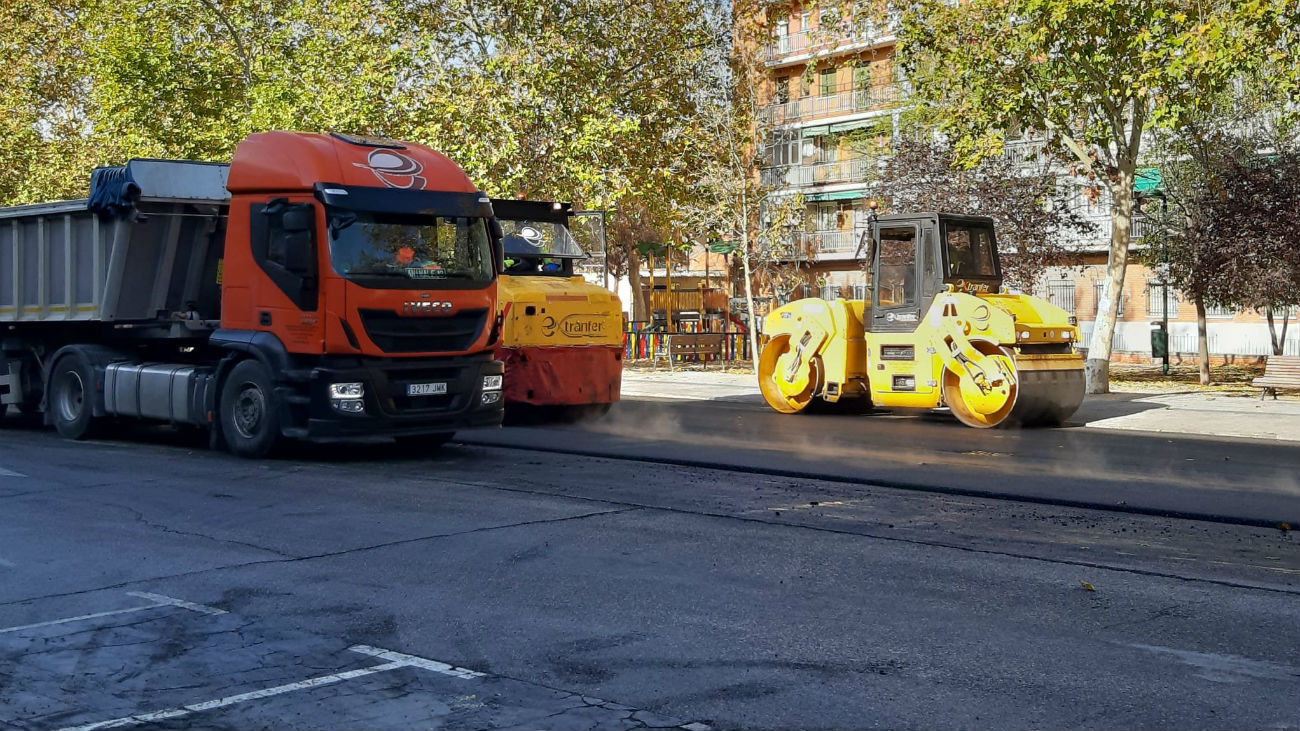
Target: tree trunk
{"points": [[634, 281], [1097, 368], [1278, 342], [1202, 340], [749, 304]]}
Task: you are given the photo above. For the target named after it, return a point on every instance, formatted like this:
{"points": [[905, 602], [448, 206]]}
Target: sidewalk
{"points": [[1208, 414]]}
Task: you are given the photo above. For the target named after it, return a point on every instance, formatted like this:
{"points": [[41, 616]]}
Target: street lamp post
{"points": [[1164, 276]]}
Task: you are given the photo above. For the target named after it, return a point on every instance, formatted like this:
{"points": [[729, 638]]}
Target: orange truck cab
{"points": [[562, 337], [318, 286]]}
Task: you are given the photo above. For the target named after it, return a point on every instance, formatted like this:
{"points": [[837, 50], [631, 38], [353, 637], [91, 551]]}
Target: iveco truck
{"points": [[315, 287]]}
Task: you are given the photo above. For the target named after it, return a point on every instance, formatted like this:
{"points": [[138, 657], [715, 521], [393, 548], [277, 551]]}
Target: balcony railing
{"points": [[842, 37], [880, 96], [799, 176]]}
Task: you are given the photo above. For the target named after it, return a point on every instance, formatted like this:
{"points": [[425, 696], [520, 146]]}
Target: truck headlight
{"points": [[491, 397], [347, 390], [348, 405], [491, 383]]}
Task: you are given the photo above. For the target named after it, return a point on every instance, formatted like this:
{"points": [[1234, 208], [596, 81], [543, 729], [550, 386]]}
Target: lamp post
{"points": [[1164, 275]]}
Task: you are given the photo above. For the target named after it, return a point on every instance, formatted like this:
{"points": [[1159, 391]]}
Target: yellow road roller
{"points": [[562, 337], [936, 332]]}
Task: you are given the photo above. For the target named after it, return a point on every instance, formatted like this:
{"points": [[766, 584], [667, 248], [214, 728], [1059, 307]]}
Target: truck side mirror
{"points": [[297, 218], [495, 235], [297, 253]]}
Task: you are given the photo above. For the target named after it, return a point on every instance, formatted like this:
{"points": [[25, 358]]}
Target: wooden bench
{"points": [[701, 345], [1280, 371]]}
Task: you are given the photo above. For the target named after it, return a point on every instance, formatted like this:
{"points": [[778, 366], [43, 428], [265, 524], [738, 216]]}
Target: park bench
{"points": [[1280, 371], [700, 346]]}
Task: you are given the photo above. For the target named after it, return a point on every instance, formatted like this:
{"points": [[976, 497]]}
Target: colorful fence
{"points": [[642, 343]]}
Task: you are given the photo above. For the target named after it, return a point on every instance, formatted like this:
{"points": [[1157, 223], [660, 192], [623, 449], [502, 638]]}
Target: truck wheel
{"points": [[72, 397], [250, 419]]}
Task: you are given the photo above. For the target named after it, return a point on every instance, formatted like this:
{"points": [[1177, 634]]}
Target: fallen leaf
{"points": [[1087, 586]]}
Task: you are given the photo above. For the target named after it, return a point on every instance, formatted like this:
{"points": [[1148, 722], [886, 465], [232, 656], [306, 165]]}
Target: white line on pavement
{"points": [[158, 600], [234, 699], [65, 620], [397, 660], [419, 662], [10, 473], [172, 601]]}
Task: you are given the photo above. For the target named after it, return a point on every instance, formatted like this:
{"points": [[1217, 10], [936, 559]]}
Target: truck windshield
{"points": [[423, 249], [969, 251]]}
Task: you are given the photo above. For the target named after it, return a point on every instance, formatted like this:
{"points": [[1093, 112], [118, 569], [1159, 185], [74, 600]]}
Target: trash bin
{"points": [[1159, 340]]}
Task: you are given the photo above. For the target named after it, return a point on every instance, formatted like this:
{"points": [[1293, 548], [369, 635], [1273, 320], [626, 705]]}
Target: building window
{"points": [[1156, 299], [783, 91], [1119, 310], [861, 77], [1219, 311], [827, 82], [1060, 292]]}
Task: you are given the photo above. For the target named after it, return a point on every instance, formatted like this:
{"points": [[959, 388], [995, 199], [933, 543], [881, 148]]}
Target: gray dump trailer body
{"points": [[62, 262], [123, 277]]}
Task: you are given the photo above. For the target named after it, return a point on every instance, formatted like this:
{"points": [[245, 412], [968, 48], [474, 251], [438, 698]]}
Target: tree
{"points": [[1249, 215], [42, 151], [1090, 77], [1035, 226]]}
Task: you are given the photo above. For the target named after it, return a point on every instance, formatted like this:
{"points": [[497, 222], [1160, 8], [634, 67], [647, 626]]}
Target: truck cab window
{"points": [[897, 266], [425, 249], [969, 251]]}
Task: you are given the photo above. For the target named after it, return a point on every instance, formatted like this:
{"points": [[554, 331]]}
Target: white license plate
{"points": [[425, 389]]}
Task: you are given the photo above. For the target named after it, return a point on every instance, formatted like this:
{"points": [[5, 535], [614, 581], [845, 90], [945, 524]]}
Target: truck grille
{"points": [[394, 333]]}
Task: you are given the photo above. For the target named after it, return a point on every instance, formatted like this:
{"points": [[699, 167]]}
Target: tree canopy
{"points": [[1090, 78]]}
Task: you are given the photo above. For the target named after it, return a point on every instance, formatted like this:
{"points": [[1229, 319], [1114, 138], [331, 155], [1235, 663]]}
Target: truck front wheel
{"points": [[72, 397], [250, 419]]}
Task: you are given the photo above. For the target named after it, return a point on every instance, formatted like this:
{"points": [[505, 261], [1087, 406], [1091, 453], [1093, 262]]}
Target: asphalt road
{"points": [[1253, 482], [149, 582]]}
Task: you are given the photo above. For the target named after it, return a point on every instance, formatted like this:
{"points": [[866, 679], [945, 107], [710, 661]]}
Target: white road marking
{"points": [[397, 660], [172, 601], [234, 699], [10, 473], [65, 620], [158, 600], [418, 662]]}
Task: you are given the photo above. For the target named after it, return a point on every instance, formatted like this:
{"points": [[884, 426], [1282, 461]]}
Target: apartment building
{"points": [[833, 97]]}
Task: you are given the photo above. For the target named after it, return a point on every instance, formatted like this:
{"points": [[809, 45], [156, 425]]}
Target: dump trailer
{"points": [[936, 332], [562, 337], [316, 286]]}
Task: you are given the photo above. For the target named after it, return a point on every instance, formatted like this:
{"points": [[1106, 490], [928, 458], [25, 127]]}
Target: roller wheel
{"points": [[250, 415], [969, 404], [787, 396], [72, 394]]}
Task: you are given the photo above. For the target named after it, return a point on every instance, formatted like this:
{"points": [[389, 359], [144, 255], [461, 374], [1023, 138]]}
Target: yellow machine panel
{"points": [[551, 311]]}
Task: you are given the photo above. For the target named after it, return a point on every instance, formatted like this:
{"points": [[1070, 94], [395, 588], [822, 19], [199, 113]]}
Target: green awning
{"points": [[843, 195], [814, 131], [1147, 180], [850, 126]]}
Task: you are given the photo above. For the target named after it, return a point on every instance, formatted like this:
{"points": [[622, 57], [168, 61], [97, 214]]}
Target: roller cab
{"points": [[936, 332], [562, 339]]}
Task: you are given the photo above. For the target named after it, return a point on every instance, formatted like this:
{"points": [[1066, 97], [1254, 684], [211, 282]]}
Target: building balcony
{"points": [[825, 173], [819, 245], [842, 38], [881, 96]]}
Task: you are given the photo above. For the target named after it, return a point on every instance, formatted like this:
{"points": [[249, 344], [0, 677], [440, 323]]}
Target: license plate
{"points": [[425, 389]]}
